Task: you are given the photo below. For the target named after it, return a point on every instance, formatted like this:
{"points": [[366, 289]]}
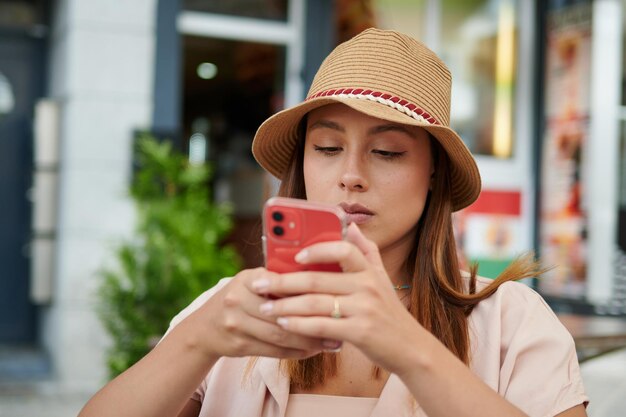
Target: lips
{"points": [[356, 213]]}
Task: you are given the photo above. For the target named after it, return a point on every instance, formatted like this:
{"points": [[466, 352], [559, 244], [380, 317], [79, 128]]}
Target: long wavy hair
{"points": [[440, 298]]}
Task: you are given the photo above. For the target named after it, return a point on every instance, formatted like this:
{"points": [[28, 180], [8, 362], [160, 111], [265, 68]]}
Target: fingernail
{"points": [[261, 284], [282, 322], [332, 345], [301, 256], [266, 308]]}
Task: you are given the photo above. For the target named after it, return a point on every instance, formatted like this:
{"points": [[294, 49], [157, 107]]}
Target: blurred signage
{"points": [[488, 231], [563, 218]]}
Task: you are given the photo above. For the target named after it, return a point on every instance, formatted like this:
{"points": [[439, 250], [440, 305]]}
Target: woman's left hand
{"points": [[371, 317]]}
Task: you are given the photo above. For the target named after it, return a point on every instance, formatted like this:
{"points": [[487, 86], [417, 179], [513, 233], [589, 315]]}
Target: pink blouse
{"points": [[313, 405], [518, 347]]}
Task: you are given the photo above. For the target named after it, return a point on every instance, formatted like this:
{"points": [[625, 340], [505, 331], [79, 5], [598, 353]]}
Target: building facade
{"points": [[536, 96]]}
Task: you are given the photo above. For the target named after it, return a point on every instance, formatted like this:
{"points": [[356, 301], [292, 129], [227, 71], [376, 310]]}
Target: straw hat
{"points": [[384, 74]]}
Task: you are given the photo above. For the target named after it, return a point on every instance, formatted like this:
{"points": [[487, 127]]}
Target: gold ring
{"points": [[336, 313]]}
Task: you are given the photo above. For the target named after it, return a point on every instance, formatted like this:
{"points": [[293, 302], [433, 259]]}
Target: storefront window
{"points": [[477, 40], [258, 9], [563, 217], [620, 264], [230, 88], [20, 14], [478, 43], [622, 161], [622, 192], [407, 16]]}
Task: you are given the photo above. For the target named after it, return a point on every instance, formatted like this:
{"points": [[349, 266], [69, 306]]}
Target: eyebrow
{"points": [[322, 123], [391, 128], [327, 124]]}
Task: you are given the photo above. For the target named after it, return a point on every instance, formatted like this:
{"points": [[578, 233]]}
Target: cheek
{"points": [[406, 195], [408, 184]]}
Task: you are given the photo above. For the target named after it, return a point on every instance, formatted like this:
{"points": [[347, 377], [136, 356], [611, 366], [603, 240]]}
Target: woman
{"points": [[401, 331]]}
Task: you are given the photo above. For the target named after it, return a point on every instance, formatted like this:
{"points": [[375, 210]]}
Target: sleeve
{"points": [[539, 370], [186, 312]]}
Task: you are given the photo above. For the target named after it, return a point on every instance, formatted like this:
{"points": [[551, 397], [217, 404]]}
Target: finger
{"points": [[256, 305], [327, 328], [257, 282], [259, 348], [274, 335], [254, 347], [240, 295], [344, 253], [307, 305], [246, 296], [366, 246], [306, 282]]}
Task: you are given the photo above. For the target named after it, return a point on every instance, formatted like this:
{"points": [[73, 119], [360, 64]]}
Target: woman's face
{"points": [[378, 171]]}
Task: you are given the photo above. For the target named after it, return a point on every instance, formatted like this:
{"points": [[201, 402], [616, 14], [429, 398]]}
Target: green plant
{"points": [[174, 256]]}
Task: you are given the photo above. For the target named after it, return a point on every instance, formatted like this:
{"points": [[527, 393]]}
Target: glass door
{"points": [[242, 62]]}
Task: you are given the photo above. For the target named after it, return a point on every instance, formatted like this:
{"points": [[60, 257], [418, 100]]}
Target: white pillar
{"points": [[101, 73], [602, 150]]}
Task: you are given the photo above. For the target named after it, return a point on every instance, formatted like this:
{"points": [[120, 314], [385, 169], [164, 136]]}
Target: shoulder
{"points": [[516, 320], [516, 310], [522, 350], [510, 297]]}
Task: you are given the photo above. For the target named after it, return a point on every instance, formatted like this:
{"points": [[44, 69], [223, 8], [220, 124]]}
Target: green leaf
{"points": [[175, 254]]}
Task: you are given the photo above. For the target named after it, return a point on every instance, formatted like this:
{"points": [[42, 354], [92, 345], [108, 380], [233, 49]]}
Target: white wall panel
{"points": [[102, 65]]}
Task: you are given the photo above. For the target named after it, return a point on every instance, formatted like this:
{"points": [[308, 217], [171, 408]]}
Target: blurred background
{"points": [[538, 96]]}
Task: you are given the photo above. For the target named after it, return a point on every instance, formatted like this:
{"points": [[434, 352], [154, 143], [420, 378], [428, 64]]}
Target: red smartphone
{"points": [[290, 225]]}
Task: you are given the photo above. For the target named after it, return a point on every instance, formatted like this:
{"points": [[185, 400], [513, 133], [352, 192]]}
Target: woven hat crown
{"points": [[390, 62]]}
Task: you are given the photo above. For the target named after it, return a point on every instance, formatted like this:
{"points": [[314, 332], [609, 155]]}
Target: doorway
{"points": [[21, 82], [238, 71]]}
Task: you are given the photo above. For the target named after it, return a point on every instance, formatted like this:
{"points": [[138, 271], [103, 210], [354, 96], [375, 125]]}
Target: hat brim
{"points": [[275, 141]]}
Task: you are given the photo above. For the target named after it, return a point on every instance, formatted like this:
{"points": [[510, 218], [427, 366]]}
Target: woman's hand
{"points": [[371, 316], [230, 324], [227, 324]]}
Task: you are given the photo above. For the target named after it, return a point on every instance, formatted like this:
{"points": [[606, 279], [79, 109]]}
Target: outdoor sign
{"points": [[563, 217], [488, 231]]}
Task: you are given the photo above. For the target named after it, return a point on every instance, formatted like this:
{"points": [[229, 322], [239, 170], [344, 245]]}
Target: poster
{"points": [[563, 217], [488, 232]]}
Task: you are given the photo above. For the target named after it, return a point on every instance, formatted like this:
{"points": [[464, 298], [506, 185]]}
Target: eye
{"points": [[388, 154], [327, 150]]}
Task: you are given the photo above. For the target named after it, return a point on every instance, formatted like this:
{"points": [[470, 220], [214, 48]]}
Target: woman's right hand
{"points": [[231, 324], [227, 324]]}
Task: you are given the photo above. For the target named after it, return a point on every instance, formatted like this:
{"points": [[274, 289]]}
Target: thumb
{"points": [[366, 246]]}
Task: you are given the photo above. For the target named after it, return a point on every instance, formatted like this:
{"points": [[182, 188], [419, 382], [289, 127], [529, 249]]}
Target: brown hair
{"points": [[440, 299]]}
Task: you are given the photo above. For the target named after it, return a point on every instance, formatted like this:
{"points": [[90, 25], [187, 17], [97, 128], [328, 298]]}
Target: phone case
{"points": [[290, 225]]}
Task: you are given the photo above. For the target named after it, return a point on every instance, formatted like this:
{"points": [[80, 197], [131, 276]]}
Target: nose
{"points": [[353, 176]]}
